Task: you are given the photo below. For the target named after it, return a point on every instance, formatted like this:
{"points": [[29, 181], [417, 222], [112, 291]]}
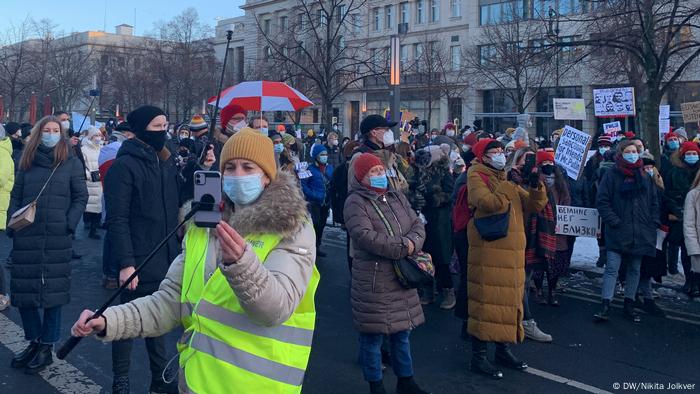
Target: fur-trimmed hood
{"points": [[280, 209]]}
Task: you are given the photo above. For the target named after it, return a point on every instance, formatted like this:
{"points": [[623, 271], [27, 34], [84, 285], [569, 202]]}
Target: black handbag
{"points": [[494, 227], [94, 176], [413, 271]]}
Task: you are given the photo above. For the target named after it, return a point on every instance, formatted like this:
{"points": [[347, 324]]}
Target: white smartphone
{"points": [[207, 191]]}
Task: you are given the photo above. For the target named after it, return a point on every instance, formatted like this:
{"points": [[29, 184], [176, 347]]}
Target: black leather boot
{"points": [[651, 308], [377, 387], [41, 360], [120, 385], [628, 311], [21, 360], [507, 359], [694, 285], [408, 386], [480, 363], [604, 314]]}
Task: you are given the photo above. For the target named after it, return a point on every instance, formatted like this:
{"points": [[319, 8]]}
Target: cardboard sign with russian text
{"points": [[572, 151], [691, 112], [577, 221]]}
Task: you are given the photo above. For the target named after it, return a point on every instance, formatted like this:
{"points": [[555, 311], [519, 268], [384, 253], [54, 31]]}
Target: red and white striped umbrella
{"points": [[263, 96]]}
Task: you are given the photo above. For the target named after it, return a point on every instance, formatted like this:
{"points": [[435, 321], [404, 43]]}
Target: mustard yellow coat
{"points": [[496, 270]]}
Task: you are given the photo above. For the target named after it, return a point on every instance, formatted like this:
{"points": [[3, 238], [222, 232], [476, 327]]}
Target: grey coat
{"points": [[380, 305], [41, 252]]}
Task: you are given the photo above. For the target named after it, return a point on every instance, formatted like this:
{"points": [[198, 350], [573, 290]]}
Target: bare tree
{"points": [[17, 76], [659, 39], [311, 50]]}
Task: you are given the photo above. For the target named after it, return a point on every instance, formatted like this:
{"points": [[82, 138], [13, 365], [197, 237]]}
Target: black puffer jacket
{"points": [[141, 196], [41, 252], [630, 218]]}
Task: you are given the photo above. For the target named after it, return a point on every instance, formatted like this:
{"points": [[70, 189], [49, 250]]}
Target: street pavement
{"points": [[584, 357]]}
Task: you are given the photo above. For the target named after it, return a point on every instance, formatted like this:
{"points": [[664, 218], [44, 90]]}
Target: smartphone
{"points": [[207, 191], [530, 163]]}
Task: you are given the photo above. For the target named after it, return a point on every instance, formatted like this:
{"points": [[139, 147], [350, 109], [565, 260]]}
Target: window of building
{"points": [[487, 54], [455, 8], [320, 16], [498, 102], [541, 8], [418, 55], [544, 102], [501, 12], [300, 22], [456, 57], [420, 12], [341, 43], [403, 54], [283, 23], [434, 10], [267, 52], [341, 13], [389, 16], [405, 14], [266, 26], [377, 22], [356, 23]]}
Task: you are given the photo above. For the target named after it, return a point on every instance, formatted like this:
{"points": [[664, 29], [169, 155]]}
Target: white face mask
{"points": [[498, 161], [388, 138], [65, 125], [450, 133], [264, 131]]}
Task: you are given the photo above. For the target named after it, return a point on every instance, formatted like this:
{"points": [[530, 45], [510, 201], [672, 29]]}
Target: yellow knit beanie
{"points": [[249, 144]]}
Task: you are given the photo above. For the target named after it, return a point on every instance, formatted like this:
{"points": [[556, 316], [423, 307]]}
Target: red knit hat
{"points": [[471, 139], [227, 113], [480, 148], [363, 164], [689, 147], [670, 135], [604, 140], [630, 135], [543, 156]]}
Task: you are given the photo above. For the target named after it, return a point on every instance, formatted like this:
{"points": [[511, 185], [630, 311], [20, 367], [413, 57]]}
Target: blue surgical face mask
{"points": [[323, 159], [243, 190], [674, 145], [650, 172], [631, 157], [50, 139], [691, 159], [603, 150], [379, 181], [279, 148]]}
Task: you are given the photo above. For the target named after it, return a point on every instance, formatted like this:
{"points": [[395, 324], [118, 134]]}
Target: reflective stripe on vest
{"points": [[222, 350]]}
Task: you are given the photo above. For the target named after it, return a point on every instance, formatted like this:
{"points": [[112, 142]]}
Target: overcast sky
{"points": [[76, 16]]}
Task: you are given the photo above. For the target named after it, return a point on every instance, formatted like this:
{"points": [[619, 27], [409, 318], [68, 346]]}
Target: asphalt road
{"points": [[584, 357]]}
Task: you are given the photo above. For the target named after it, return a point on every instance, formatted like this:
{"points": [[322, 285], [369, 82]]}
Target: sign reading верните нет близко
{"points": [[577, 221]]}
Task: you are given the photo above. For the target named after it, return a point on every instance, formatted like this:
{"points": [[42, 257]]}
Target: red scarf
{"points": [[627, 168]]}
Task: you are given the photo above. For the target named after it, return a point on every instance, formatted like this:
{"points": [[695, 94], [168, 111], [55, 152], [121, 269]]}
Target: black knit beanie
{"points": [[139, 118]]}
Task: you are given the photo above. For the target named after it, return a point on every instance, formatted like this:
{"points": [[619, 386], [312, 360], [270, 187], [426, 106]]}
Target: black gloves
{"points": [[534, 180]]}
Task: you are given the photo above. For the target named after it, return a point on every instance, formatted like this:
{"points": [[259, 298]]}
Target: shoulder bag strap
{"points": [[381, 215], [46, 183]]}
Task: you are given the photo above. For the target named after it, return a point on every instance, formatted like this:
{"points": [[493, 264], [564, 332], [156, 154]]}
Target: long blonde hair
{"points": [[60, 151]]}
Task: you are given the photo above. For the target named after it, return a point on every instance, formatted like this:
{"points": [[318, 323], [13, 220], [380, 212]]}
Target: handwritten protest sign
{"points": [[614, 102], [664, 127], [569, 109], [572, 151], [578, 222], [612, 128], [691, 112], [664, 111]]}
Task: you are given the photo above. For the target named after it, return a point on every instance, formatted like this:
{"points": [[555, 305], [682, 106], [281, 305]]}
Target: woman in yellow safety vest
{"points": [[244, 292]]}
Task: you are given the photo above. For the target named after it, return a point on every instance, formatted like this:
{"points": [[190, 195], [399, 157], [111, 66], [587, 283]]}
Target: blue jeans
{"points": [[634, 264], [371, 356], [46, 330]]}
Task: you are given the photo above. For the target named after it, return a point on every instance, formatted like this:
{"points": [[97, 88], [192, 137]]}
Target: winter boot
{"points": [[533, 332], [628, 311], [409, 386], [651, 308], [604, 314], [480, 363], [448, 299], [377, 387], [21, 360], [41, 360], [506, 358], [120, 385], [159, 386], [694, 285], [93, 231]]}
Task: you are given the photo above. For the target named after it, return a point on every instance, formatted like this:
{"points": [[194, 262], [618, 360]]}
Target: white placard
{"points": [[569, 109], [612, 128], [614, 102], [664, 127], [664, 111], [572, 151], [578, 222]]}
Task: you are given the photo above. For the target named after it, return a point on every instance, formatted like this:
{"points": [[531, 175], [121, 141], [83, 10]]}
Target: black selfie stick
{"points": [[73, 341], [212, 126], [86, 115]]}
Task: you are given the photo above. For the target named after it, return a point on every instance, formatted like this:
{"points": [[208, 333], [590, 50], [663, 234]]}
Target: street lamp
{"points": [[395, 77]]}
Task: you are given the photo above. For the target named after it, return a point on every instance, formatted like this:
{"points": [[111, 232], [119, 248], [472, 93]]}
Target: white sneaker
{"points": [[449, 300], [533, 332]]}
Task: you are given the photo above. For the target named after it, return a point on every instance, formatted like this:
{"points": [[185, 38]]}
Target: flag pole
{"points": [[212, 125]]}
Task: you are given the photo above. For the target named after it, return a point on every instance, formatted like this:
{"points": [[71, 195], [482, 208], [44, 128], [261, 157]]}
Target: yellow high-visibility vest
{"points": [[222, 350]]}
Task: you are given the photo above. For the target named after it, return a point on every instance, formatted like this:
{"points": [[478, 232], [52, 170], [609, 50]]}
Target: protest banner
{"points": [[569, 109], [614, 102], [664, 111], [572, 151], [664, 127], [612, 128], [691, 112], [577, 221]]}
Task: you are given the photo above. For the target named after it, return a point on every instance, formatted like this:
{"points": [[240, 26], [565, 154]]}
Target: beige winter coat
{"points": [[268, 293], [691, 227]]}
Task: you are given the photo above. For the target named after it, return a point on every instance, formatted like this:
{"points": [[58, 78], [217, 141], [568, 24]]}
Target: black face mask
{"points": [[547, 169], [184, 153], [156, 139]]}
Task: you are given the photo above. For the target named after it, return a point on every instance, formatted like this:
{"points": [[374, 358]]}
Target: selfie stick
{"points": [[86, 115], [73, 341]]}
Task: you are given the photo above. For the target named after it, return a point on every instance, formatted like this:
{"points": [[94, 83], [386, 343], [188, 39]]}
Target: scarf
{"points": [[540, 233], [633, 181]]}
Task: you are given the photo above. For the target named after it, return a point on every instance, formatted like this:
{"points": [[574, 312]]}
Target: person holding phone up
{"points": [[244, 292]]}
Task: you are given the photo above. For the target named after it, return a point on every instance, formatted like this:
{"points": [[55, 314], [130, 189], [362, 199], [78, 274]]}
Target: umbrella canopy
{"points": [[263, 96]]}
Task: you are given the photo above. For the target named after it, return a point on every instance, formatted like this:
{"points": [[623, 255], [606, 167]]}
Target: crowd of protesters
{"points": [[482, 204]]}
